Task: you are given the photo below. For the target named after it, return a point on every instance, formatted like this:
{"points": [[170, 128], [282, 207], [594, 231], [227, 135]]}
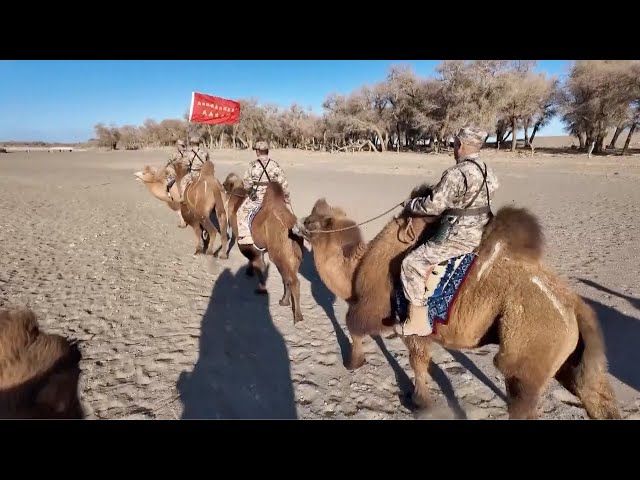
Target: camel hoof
{"points": [[355, 363], [198, 252], [298, 319], [223, 256], [420, 400], [284, 303]]}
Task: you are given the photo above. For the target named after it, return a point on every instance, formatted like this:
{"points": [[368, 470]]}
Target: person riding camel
{"points": [[463, 197], [260, 172], [188, 159]]}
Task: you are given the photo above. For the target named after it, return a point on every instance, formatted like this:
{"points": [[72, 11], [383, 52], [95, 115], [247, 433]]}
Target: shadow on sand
{"points": [[621, 335], [242, 370]]}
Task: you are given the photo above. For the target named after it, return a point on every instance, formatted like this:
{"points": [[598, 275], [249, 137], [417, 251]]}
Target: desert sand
{"points": [[166, 335]]}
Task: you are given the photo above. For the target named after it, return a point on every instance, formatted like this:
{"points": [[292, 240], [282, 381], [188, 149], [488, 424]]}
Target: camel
{"points": [[39, 372], [200, 198], [156, 184], [271, 232], [509, 298]]}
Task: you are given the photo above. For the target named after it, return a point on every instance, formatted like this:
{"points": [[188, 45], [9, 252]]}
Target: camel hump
{"points": [[274, 192], [519, 229]]}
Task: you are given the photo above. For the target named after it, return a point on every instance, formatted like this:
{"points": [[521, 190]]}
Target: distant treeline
{"points": [[408, 112]]}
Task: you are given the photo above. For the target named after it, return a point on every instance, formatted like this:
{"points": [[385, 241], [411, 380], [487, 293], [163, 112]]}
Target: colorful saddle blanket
{"points": [[443, 284]]}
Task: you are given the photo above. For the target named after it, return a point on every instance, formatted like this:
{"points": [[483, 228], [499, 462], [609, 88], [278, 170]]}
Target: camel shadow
{"points": [[325, 298], [242, 370], [621, 335]]}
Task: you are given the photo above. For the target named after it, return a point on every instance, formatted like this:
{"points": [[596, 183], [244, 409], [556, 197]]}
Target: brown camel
{"points": [[156, 184], [39, 372], [271, 232], [509, 298], [200, 198]]}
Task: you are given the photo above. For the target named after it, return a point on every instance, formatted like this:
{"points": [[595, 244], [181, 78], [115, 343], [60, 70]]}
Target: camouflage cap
{"points": [[472, 135], [261, 145]]}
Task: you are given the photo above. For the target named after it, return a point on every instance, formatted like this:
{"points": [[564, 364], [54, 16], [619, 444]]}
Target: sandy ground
{"points": [[166, 335]]}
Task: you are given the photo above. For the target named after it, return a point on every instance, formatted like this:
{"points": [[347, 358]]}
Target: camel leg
{"points": [[224, 234], [256, 265], [182, 223], [285, 300], [212, 231], [357, 358], [197, 230], [260, 267], [295, 299], [419, 359], [527, 366], [249, 272]]}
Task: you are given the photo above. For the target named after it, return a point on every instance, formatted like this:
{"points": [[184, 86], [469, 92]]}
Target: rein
{"points": [[357, 224]]}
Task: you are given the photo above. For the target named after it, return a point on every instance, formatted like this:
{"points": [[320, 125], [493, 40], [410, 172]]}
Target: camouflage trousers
{"points": [[244, 231], [419, 262]]}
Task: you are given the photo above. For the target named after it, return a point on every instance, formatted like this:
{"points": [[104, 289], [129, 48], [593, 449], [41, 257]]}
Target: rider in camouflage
{"points": [[261, 171], [463, 196]]}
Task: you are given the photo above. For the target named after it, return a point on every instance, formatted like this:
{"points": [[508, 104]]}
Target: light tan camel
{"points": [[509, 298], [156, 184], [200, 198], [39, 372], [271, 232]]}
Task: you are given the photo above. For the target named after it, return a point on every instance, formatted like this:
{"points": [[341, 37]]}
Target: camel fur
{"points": [[200, 198], [156, 184], [271, 231], [39, 372], [510, 298]]}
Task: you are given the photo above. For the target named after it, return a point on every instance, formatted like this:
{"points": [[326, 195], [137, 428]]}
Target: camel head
{"points": [[146, 175], [323, 217], [39, 372], [232, 183]]}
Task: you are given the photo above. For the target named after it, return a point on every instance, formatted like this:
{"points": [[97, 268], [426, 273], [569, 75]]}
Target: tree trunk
{"points": [[599, 147], [221, 141], [526, 132], [506, 137], [581, 140], [383, 147], [616, 134], [628, 141], [514, 131], [535, 130]]}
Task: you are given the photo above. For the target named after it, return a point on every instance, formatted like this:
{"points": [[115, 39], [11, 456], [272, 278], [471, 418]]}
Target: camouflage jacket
{"points": [[190, 158], [256, 175], [456, 188]]}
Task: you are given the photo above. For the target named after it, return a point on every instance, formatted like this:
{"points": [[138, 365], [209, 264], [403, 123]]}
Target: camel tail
{"points": [[519, 229], [585, 372]]}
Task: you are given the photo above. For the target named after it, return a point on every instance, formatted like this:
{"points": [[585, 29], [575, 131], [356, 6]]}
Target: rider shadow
{"points": [[242, 371], [325, 298], [621, 335]]}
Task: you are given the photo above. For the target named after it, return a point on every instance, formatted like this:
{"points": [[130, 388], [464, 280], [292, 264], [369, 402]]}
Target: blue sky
{"points": [[62, 100]]}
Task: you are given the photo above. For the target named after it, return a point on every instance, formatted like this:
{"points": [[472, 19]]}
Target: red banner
{"points": [[213, 110]]}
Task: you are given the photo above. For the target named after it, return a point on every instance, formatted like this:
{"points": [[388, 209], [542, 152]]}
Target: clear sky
{"points": [[61, 101]]}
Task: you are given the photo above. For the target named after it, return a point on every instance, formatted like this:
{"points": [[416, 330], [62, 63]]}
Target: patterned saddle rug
{"points": [[443, 285]]}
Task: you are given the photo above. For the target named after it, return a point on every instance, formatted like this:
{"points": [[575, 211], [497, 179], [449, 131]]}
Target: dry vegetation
{"points": [[406, 112]]}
